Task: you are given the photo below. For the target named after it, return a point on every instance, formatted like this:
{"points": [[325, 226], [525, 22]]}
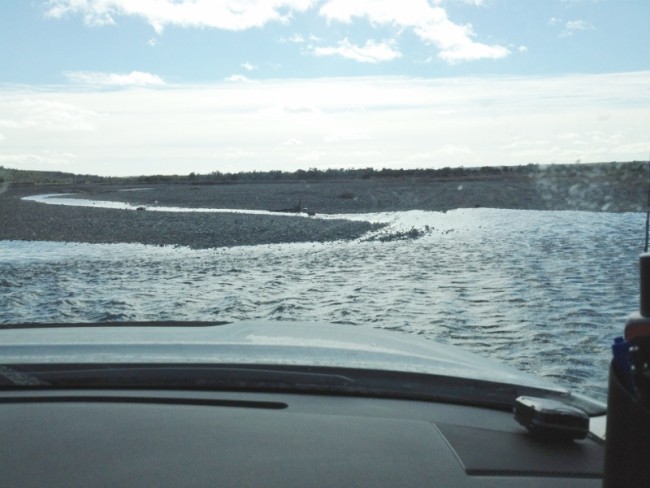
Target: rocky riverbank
{"points": [[27, 220]]}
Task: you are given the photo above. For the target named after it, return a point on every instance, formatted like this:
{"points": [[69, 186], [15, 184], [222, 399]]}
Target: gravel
{"points": [[26, 220]]}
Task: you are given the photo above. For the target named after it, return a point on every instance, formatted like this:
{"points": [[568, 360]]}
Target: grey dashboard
{"points": [[125, 438]]}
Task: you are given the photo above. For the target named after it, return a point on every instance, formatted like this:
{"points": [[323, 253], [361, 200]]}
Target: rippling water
{"points": [[543, 291]]}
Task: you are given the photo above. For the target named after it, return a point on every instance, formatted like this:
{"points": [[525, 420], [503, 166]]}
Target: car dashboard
{"points": [[147, 437]]}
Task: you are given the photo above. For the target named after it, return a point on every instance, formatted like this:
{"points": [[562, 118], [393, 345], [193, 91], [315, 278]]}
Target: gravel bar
{"points": [[33, 221], [26, 220]]}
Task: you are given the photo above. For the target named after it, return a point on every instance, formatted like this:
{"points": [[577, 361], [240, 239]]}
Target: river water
{"points": [[545, 291]]}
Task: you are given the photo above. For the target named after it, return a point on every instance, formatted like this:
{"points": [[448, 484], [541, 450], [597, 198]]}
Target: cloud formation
{"points": [[427, 20], [44, 162], [430, 23], [570, 27], [239, 79], [30, 112], [573, 26], [371, 52], [330, 122], [134, 78], [221, 14]]}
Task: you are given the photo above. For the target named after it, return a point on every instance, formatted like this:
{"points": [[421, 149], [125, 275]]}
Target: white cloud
{"points": [[413, 122], [45, 161], [292, 141], [570, 27], [41, 114], [578, 25], [309, 157], [573, 26], [221, 14], [346, 136], [475, 3], [430, 23], [472, 51], [297, 38], [454, 150], [235, 154], [239, 79], [371, 52], [248, 66], [135, 78], [568, 136]]}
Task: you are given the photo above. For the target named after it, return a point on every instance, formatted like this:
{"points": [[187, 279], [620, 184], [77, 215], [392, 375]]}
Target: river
{"points": [[544, 291]]}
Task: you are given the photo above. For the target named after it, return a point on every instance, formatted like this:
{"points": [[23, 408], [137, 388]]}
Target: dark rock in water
{"points": [[399, 236], [141, 208]]}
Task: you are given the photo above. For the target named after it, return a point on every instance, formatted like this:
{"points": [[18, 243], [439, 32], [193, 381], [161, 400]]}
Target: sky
{"points": [[131, 87]]}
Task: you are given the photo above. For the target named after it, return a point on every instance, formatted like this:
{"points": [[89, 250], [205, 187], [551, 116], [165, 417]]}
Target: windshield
{"points": [[466, 172]]}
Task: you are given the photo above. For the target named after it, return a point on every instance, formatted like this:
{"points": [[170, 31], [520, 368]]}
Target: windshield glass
{"points": [[470, 172]]}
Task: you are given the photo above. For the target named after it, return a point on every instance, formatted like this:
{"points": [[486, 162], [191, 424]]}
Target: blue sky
{"points": [[121, 87]]}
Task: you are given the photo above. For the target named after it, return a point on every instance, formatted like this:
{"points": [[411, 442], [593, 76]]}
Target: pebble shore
{"points": [[27, 220], [33, 221]]}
